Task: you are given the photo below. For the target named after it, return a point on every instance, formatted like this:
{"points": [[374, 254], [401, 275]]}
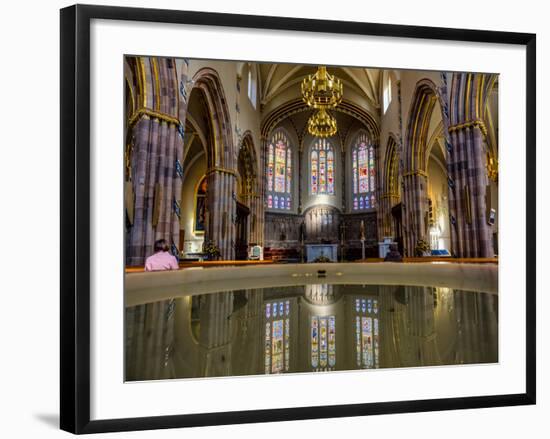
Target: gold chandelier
{"points": [[322, 124], [322, 91]]}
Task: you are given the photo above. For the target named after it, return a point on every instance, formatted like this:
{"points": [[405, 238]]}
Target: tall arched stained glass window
{"points": [[364, 174], [279, 172], [322, 168]]}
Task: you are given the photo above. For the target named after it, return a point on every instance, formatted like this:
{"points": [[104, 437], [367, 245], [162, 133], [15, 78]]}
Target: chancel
{"points": [[260, 164]]}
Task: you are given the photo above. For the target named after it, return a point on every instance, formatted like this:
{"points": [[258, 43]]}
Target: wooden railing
{"points": [[140, 268], [439, 259]]}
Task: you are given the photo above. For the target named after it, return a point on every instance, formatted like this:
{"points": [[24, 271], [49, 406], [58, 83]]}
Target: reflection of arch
{"points": [[209, 83]]}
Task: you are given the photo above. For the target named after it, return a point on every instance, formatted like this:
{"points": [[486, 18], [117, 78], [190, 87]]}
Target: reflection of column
{"points": [[477, 340], [215, 334], [420, 316], [149, 340], [390, 344], [247, 347]]}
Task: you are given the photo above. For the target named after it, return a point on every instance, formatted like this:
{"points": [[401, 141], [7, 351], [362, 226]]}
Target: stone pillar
{"points": [[469, 180], [222, 211], [156, 134], [414, 209]]}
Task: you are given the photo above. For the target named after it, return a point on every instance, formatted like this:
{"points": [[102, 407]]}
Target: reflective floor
{"points": [[310, 328]]}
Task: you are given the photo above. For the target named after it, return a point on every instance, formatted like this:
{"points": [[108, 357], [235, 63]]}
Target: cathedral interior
{"points": [[289, 168], [306, 161]]}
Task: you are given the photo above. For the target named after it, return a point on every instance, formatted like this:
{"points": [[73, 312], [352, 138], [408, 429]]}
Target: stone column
{"points": [[414, 200], [156, 135]]}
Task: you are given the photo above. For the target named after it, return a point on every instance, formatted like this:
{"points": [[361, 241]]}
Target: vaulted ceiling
{"points": [[275, 79]]}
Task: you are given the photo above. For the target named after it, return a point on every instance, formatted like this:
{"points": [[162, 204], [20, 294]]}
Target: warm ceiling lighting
{"points": [[322, 124], [322, 91]]}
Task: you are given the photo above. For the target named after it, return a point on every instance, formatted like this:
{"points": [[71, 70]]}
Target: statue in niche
{"points": [[200, 205]]}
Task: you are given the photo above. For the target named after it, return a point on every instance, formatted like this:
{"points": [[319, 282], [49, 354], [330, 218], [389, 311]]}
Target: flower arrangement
{"points": [[322, 258], [211, 250], [422, 248]]}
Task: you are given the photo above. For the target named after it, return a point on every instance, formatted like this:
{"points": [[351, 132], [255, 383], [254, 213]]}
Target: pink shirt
{"points": [[161, 261]]}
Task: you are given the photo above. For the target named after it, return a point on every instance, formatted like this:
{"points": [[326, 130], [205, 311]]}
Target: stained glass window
{"points": [[323, 343], [277, 337], [364, 174], [279, 172], [322, 168], [367, 333]]}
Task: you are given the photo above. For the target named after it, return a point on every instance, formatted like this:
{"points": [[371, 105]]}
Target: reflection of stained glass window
{"points": [[267, 347], [277, 337], [358, 339], [376, 362], [322, 168], [277, 347], [279, 172], [366, 333], [331, 341], [314, 342], [323, 342], [364, 174]]}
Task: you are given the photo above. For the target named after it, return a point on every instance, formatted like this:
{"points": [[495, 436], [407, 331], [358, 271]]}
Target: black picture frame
{"points": [[75, 217]]}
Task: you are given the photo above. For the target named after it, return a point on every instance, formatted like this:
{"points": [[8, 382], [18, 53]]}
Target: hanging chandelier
{"points": [[322, 124], [322, 91]]}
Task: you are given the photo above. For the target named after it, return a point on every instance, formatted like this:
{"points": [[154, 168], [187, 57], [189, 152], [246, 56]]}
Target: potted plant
{"points": [[212, 251], [422, 248]]}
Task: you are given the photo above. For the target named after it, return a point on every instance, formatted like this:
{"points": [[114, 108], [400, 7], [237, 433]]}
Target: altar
{"points": [[313, 251]]}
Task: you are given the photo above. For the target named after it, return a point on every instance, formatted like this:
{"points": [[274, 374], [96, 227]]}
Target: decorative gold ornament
{"points": [[322, 124], [492, 168], [322, 91]]}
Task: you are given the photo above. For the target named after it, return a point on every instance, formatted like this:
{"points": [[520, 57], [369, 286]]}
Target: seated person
{"points": [[393, 255], [162, 259]]}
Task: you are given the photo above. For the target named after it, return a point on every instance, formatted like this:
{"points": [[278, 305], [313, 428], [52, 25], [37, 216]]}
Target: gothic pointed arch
{"points": [[221, 173], [208, 81], [426, 100]]}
